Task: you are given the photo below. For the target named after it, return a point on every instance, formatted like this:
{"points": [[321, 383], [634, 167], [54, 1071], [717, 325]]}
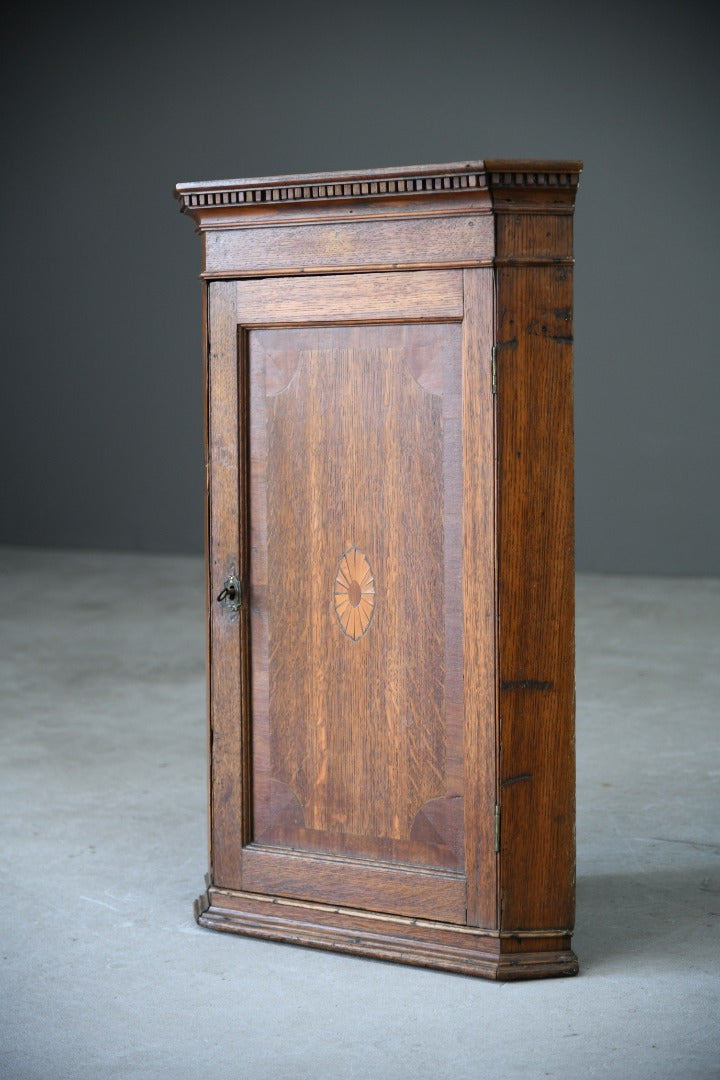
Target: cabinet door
{"points": [[352, 700]]}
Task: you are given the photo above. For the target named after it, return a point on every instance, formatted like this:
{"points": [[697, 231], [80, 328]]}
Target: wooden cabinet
{"points": [[390, 562]]}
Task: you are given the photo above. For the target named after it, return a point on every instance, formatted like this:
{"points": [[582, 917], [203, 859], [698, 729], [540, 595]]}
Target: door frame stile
{"points": [[479, 597]]}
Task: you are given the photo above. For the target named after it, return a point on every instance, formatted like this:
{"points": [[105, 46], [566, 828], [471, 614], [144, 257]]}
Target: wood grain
{"points": [[479, 598], [360, 884], [367, 716], [391, 713], [349, 246], [227, 632], [382, 298], [416, 189], [536, 645], [386, 937], [362, 744]]}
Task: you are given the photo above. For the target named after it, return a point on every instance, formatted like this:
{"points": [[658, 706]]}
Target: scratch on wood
{"points": [[516, 779], [525, 684]]}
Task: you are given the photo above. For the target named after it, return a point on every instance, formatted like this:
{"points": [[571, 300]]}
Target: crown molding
{"points": [[426, 189]]}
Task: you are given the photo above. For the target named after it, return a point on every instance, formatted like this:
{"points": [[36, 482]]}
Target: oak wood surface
{"points": [[391, 710], [476, 567], [536, 645], [416, 242], [227, 632], [381, 298], [362, 884], [387, 937], [423, 189], [354, 431], [357, 709]]}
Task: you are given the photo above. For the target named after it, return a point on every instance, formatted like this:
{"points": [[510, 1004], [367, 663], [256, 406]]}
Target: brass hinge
{"points": [[494, 369], [497, 828]]}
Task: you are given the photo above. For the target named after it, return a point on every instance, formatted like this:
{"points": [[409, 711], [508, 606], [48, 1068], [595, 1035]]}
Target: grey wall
{"points": [[101, 388]]}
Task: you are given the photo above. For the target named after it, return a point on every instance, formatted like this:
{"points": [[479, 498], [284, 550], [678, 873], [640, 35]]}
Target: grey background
{"points": [[100, 418]]}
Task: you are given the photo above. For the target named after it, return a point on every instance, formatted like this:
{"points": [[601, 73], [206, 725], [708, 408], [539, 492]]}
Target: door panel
{"points": [[354, 723], [356, 647]]}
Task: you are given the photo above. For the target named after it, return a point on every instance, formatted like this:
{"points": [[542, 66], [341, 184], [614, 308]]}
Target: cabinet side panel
{"points": [[536, 596], [227, 633]]}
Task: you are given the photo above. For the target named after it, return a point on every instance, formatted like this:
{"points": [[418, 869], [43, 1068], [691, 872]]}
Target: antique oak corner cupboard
{"points": [[390, 562]]}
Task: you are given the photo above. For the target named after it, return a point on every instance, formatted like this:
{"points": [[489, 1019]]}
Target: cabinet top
{"points": [[491, 185]]}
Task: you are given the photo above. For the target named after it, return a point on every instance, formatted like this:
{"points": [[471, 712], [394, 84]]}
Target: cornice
{"points": [[408, 189], [561, 175], [312, 187], [532, 187]]}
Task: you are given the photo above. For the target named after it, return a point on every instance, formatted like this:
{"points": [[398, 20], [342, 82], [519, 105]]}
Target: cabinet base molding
{"points": [[464, 950]]}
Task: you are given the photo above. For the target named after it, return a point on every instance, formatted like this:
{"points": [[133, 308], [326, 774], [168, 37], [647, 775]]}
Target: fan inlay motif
{"points": [[354, 593]]}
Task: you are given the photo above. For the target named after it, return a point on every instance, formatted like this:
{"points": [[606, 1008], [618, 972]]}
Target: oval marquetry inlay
{"points": [[354, 593]]}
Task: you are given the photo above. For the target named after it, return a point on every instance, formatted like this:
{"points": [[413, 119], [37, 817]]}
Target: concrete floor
{"points": [[103, 798]]}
